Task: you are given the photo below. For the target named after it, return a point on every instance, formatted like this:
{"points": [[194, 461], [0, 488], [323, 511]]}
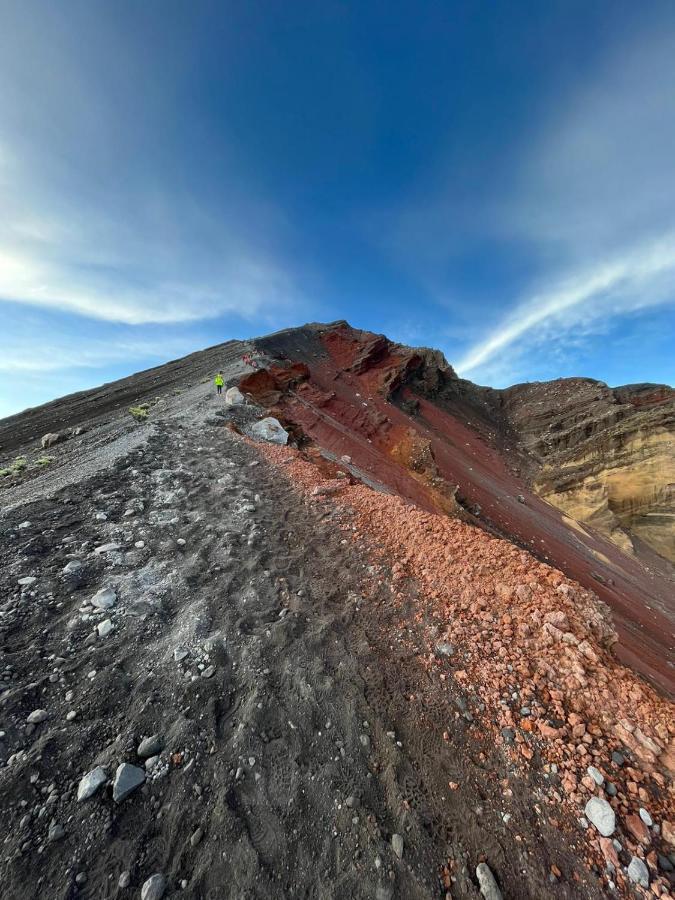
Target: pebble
{"points": [[151, 762], [73, 566], [25, 524], [179, 654], [37, 716], [397, 845], [443, 648], [638, 872], [611, 789], [509, 735], [90, 783], [646, 818], [105, 548], [150, 746], [124, 880], [618, 758], [196, 837], [139, 545], [154, 887], [600, 813], [127, 779], [597, 776], [27, 581], [486, 881], [209, 672], [81, 878], [70, 715], [104, 599]]}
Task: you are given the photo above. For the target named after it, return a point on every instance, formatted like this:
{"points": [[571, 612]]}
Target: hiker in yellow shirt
{"points": [[218, 381]]}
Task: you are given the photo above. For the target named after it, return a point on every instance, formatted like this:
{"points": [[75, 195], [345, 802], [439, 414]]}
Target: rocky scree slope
{"points": [[410, 426]]}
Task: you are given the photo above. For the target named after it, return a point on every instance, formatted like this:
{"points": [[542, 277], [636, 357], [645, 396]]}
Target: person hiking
{"points": [[218, 381]]}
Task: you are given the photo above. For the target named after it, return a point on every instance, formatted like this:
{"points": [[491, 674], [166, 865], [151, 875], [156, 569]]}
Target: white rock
{"points": [[72, 566], [234, 397], [104, 599], [25, 524], [270, 429], [105, 548], [397, 845], [101, 516], [139, 545], [486, 881], [27, 581], [646, 818], [104, 628], [90, 783], [638, 872], [179, 654], [154, 887], [601, 814], [38, 716]]}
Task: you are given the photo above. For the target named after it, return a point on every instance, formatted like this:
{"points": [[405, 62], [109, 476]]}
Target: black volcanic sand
{"points": [[317, 737]]}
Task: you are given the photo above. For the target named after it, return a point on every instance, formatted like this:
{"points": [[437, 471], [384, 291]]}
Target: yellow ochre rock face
{"points": [[605, 456]]}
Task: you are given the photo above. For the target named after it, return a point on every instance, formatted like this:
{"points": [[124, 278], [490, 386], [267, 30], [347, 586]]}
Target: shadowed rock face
{"points": [[502, 459]]}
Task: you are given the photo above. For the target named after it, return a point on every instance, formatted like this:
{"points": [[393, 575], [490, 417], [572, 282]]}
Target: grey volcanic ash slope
{"points": [[214, 675]]}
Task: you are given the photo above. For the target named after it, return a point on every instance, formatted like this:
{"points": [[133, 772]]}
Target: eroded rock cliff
{"points": [[606, 456]]}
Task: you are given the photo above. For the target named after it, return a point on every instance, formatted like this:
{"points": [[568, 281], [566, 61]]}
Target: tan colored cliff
{"points": [[605, 456]]}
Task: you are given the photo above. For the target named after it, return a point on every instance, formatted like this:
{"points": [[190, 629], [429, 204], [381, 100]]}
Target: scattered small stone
{"points": [[397, 845], [90, 783], [196, 837], [150, 746], [209, 672], [106, 548], [638, 872], [154, 887], [486, 881], [124, 880], [600, 813], [127, 779]]}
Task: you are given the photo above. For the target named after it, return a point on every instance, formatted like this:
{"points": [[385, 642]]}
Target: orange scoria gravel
{"points": [[520, 624]]}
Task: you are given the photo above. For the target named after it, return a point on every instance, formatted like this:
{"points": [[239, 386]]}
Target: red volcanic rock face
{"points": [[411, 427]]}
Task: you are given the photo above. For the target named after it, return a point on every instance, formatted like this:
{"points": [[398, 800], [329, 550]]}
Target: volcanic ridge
{"points": [[355, 628]]}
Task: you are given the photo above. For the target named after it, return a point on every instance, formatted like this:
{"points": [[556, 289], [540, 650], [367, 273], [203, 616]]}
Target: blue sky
{"points": [[492, 179]]}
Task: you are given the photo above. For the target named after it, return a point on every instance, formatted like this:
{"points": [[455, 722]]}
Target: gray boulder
{"points": [[127, 779]]}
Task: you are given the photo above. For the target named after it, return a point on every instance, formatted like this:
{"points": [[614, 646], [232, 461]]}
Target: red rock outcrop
{"points": [[408, 425]]}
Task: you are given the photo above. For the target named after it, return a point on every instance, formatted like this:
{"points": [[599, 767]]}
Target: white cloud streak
{"points": [[624, 285]]}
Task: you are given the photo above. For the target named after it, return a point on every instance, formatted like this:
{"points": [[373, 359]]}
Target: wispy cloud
{"points": [[631, 282], [101, 217]]}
